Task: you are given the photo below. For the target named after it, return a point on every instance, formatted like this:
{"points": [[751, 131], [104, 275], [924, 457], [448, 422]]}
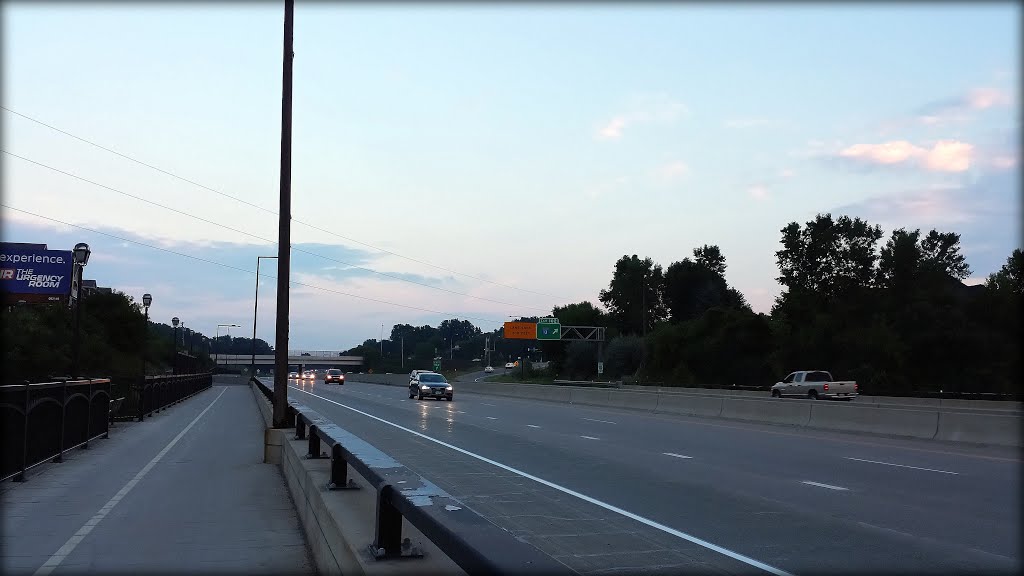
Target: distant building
{"points": [[90, 287]]}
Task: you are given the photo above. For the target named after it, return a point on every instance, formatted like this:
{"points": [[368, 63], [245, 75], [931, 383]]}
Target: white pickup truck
{"points": [[814, 384]]}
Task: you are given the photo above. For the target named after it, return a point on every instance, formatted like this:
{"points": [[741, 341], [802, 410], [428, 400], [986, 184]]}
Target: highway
{"points": [[606, 490]]}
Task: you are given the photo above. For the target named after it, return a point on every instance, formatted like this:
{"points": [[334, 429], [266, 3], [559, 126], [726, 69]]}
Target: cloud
{"points": [[786, 173], [959, 109], [653, 108], [672, 171], [943, 156], [1006, 162], [758, 192], [613, 129]]}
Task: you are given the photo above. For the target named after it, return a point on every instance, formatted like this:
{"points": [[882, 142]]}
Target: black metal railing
{"points": [[144, 398], [471, 541], [43, 421]]}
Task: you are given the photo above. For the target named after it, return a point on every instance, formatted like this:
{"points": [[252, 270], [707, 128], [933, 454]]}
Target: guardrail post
{"points": [[300, 429], [314, 443], [339, 471], [63, 416], [24, 441], [88, 416], [389, 526]]}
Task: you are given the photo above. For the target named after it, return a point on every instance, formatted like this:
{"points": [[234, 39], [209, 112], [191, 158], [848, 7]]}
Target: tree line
{"points": [[893, 315], [113, 338]]}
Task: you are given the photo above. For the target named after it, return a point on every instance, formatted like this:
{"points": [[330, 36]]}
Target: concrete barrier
{"points": [[979, 428], [592, 396], [793, 412], [339, 525], [875, 419], [688, 405], [646, 401], [550, 393]]}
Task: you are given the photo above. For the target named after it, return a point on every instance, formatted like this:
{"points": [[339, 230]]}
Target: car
{"points": [[293, 375], [309, 375], [509, 365], [334, 375], [489, 369], [815, 384], [430, 385]]}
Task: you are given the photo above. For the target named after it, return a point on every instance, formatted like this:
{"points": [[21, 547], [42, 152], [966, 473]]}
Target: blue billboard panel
{"points": [[26, 269]]}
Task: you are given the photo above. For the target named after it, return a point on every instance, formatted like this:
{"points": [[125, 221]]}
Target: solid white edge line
{"points": [[902, 466], [829, 486], [675, 455], [651, 523], [64, 551]]}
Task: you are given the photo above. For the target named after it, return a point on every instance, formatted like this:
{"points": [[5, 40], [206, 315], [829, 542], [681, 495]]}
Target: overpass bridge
{"points": [[320, 358]]}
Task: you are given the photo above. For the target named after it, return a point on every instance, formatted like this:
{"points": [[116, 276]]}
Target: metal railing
{"points": [[43, 421], [144, 398], [471, 541]]}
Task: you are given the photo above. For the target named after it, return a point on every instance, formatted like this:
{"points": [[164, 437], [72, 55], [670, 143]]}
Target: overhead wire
{"points": [[236, 268], [269, 211], [258, 237]]}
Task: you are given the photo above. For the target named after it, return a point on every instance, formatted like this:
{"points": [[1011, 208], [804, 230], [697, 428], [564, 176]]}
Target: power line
{"points": [[236, 268], [226, 227], [269, 211]]}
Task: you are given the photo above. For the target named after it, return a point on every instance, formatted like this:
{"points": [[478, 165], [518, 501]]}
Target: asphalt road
{"points": [[606, 490]]}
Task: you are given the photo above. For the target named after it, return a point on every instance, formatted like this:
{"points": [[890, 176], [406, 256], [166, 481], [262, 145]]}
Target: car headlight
{"points": [[448, 388], [424, 387]]}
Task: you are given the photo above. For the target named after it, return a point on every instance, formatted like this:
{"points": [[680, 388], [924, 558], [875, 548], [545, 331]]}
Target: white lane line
{"points": [[69, 546], [533, 426], [675, 455], [459, 412], [829, 486], [486, 404], [903, 466], [646, 521], [589, 437], [491, 418], [596, 420]]}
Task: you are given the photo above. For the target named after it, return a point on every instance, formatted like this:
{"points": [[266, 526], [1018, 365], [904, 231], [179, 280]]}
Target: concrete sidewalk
{"points": [[185, 492]]}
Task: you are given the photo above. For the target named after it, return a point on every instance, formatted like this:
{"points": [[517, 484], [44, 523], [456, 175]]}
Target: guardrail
{"points": [[155, 393], [472, 542], [43, 421]]}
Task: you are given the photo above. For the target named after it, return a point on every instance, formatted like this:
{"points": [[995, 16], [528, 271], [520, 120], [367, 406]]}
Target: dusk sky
{"points": [[527, 145]]}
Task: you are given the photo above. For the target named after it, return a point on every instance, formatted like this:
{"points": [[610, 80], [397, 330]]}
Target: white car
{"points": [[489, 369], [509, 365], [293, 375], [309, 375]]}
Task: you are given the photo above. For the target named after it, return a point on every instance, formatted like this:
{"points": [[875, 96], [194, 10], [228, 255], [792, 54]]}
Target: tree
{"points": [[580, 314], [828, 257], [1010, 278], [624, 356], [634, 295], [941, 255], [711, 258]]}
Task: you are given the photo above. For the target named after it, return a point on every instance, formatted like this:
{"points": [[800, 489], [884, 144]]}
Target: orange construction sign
{"points": [[521, 330]]}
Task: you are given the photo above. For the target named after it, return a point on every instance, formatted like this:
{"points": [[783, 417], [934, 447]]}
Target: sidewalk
{"points": [[184, 492]]}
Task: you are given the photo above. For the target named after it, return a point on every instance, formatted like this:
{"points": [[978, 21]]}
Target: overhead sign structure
{"points": [[521, 330], [549, 329], [34, 272]]}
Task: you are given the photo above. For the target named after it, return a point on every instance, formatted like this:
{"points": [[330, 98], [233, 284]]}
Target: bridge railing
{"points": [[43, 421], [472, 542], [144, 398]]}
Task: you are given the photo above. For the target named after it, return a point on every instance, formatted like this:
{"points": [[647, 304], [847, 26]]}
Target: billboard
{"points": [[30, 269], [521, 330]]}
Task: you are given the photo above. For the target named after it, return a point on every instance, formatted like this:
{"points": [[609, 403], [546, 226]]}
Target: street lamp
{"points": [[147, 300], [80, 259], [174, 364], [256, 307], [229, 327]]}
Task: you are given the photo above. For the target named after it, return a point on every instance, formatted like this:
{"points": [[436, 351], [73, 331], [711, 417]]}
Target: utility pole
{"points": [[403, 352], [284, 234]]}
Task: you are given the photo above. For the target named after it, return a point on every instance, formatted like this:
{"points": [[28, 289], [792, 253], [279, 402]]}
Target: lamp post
{"points": [[229, 327], [174, 363], [80, 259], [147, 300], [256, 307]]}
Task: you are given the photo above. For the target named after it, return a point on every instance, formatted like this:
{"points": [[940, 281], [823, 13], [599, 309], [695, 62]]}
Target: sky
{"points": [[481, 161]]}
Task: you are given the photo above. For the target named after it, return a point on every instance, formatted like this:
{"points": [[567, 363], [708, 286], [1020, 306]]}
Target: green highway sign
{"points": [[549, 329], [437, 364]]}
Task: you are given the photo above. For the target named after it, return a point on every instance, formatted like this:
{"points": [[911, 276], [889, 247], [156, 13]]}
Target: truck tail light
{"points": [[826, 386], [855, 387]]}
